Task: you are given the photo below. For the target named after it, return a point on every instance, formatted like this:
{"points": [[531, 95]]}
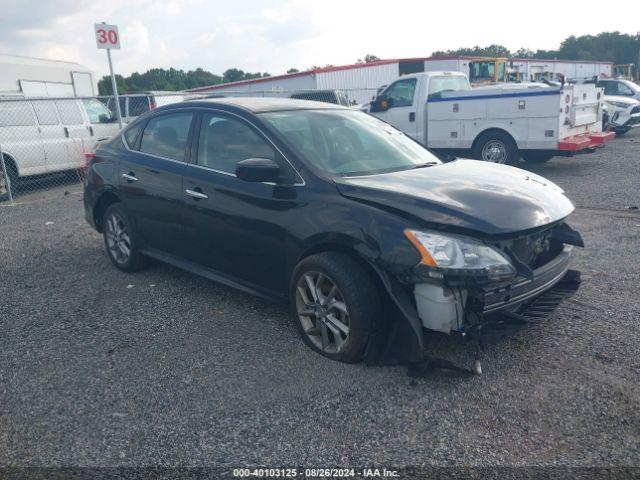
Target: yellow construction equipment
{"points": [[624, 71], [488, 70]]}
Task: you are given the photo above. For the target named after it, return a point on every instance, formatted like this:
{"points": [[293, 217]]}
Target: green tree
{"points": [[293, 70], [477, 51], [104, 85]]}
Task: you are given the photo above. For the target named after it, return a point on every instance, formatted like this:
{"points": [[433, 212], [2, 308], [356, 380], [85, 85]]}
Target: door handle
{"points": [[66, 132], [130, 177], [196, 195], [412, 116], [91, 131]]}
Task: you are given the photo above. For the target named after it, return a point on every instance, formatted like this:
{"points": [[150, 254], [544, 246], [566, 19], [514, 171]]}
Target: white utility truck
{"points": [[497, 123]]}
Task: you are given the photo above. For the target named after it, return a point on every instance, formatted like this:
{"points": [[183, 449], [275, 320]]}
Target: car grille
{"points": [[536, 249]]}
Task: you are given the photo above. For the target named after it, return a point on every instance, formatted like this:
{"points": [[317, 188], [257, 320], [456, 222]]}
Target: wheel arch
{"points": [[105, 199], [392, 342], [10, 162], [505, 131], [350, 251]]}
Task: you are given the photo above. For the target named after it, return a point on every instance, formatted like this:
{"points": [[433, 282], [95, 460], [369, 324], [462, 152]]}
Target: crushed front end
{"points": [[484, 289]]}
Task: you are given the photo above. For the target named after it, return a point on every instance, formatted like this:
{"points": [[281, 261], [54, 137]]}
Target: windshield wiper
{"points": [[423, 165]]}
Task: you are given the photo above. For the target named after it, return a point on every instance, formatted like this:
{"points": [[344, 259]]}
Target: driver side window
{"points": [[400, 93]]}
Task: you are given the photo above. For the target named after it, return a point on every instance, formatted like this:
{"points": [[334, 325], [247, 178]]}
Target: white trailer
{"points": [[37, 77], [500, 123]]}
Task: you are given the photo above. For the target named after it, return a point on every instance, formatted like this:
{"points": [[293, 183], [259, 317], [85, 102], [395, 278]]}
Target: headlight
{"points": [[620, 104], [460, 255]]}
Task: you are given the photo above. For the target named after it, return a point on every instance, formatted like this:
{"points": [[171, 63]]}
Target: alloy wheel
{"points": [[322, 312], [118, 239]]}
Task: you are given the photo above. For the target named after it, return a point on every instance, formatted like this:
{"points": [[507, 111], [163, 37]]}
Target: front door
{"points": [[400, 110], [150, 176], [102, 123], [232, 226], [74, 129]]}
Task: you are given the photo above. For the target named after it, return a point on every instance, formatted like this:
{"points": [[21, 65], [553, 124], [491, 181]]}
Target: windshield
{"points": [[347, 142], [633, 86]]}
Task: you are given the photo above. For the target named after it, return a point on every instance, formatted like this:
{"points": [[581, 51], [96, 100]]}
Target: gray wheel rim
{"points": [[494, 151], [118, 239], [322, 312]]}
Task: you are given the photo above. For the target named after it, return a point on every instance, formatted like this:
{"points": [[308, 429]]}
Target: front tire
{"points": [[12, 175], [120, 239], [496, 147], [336, 305]]}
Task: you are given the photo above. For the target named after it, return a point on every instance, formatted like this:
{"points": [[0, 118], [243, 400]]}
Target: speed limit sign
{"points": [[107, 36]]}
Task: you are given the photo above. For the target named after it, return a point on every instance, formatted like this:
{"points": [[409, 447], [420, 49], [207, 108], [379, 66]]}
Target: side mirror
{"points": [[258, 170], [380, 104]]}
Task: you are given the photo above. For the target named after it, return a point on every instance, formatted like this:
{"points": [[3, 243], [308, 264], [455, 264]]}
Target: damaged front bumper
{"points": [[463, 308]]}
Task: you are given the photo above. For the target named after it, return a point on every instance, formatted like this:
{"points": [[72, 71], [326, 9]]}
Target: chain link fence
{"points": [[45, 141]]}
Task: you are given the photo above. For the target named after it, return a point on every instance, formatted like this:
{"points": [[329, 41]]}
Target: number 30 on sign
{"points": [[107, 36]]}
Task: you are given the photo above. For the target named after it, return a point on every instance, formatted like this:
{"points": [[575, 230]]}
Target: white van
{"points": [[41, 136]]}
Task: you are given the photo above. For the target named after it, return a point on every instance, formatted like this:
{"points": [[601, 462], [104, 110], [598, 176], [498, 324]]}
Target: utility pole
{"points": [[638, 64]]}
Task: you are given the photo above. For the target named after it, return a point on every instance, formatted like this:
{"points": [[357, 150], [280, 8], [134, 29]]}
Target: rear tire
{"points": [[120, 239], [536, 157], [497, 147], [346, 308]]}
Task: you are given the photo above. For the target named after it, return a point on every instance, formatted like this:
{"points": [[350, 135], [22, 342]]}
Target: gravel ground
{"points": [[103, 368]]}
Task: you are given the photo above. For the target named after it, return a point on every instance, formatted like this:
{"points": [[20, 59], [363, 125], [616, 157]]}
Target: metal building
{"points": [[360, 81]]}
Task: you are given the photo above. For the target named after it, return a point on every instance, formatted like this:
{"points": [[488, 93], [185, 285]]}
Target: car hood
{"points": [[630, 101], [465, 194]]}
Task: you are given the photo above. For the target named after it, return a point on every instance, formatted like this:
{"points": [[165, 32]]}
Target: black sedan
{"points": [[362, 231]]}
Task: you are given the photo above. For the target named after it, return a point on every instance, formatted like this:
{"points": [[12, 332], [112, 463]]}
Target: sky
{"points": [[274, 36]]}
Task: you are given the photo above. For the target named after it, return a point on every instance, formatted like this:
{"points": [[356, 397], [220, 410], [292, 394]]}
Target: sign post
{"points": [[107, 38]]}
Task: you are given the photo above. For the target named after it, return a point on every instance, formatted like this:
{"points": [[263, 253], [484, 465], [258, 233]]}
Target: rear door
{"points": [[401, 113], [150, 176], [56, 145]]}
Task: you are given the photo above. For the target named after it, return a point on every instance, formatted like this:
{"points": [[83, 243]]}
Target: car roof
{"points": [[259, 105]]}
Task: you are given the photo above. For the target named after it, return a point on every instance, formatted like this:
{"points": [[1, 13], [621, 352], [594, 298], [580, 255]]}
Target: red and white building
{"points": [[361, 80]]}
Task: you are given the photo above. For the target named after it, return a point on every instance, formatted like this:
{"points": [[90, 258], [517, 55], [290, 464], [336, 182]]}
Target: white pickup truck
{"points": [[498, 123]]}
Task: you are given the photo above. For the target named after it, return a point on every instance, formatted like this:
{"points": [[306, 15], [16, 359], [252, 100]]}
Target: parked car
{"points": [[329, 96], [135, 104], [619, 87], [366, 234], [45, 136], [623, 113]]}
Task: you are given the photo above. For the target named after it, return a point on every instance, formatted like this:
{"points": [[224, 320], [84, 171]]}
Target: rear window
{"points": [[16, 114], [138, 106], [166, 136], [447, 83]]}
